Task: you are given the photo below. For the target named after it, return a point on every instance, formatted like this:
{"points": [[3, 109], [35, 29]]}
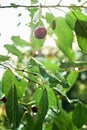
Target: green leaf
{"points": [[29, 121], [20, 113], [79, 115], [43, 105], [81, 28], [67, 51], [18, 41], [34, 1], [82, 42], [47, 75], [63, 32], [49, 18], [51, 97], [21, 86], [37, 96], [4, 58], [12, 49], [71, 78], [72, 16], [12, 107], [63, 121], [7, 81], [14, 5]]}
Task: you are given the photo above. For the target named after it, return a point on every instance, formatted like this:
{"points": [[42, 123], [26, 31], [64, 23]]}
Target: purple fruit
{"points": [[40, 32]]}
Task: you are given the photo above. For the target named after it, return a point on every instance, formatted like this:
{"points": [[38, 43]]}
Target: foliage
{"points": [[45, 90]]}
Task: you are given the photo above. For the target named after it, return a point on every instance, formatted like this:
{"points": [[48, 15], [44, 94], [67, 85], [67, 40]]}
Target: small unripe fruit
{"points": [[40, 32]]}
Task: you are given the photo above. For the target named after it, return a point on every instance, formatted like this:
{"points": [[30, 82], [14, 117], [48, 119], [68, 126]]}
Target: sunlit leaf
{"points": [[13, 50], [7, 81], [51, 97], [18, 41], [34, 1], [63, 32], [4, 58]]}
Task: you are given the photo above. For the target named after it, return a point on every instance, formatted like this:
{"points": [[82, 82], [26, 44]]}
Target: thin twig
{"points": [[44, 6]]}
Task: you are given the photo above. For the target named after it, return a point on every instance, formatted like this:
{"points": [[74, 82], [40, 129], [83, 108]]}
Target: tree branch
{"points": [[44, 6]]}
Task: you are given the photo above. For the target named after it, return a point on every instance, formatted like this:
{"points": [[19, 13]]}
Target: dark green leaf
{"points": [[7, 81], [20, 113], [79, 115], [4, 58], [81, 28], [14, 5], [12, 107], [12, 49], [43, 105], [64, 122], [18, 41], [29, 121], [63, 32]]}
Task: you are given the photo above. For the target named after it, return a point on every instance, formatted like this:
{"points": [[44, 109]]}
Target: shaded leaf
{"points": [[79, 115], [72, 16], [29, 121], [81, 28], [43, 105], [14, 5], [12, 107]]}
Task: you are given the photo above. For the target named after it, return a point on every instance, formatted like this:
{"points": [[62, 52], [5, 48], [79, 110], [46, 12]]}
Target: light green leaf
{"points": [[7, 81], [71, 79], [34, 1], [37, 96], [18, 41], [13, 50], [82, 41], [4, 58], [12, 107], [51, 97], [67, 51], [63, 32], [49, 17]]}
